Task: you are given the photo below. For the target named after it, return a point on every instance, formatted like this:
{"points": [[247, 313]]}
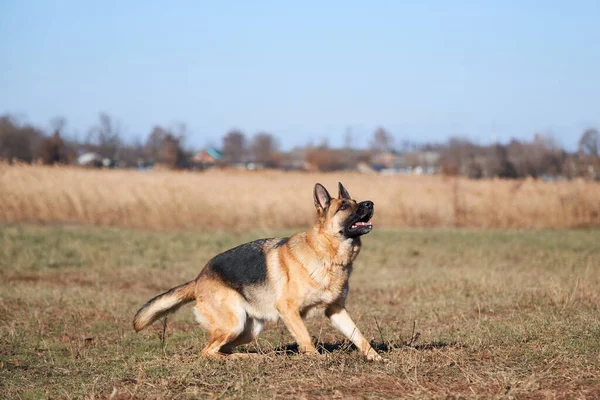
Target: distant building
{"points": [[419, 162], [91, 159], [207, 157], [294, 160], [386, 160]]}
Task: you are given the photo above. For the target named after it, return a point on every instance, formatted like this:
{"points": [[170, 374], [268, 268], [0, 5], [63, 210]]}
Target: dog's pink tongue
{"points": [[357, 224]]}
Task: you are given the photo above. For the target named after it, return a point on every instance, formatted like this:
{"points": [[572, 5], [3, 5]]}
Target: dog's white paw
{"points": [[373, 356]]}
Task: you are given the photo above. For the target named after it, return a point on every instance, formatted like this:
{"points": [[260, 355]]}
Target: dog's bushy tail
{"points": [[163, 304]]}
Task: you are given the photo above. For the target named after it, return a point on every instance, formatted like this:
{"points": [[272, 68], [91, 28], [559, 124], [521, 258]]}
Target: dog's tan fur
{"points": [[310, 269]]}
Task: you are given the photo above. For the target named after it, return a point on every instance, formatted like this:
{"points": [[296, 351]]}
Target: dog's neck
{"points": [[333, 250]]}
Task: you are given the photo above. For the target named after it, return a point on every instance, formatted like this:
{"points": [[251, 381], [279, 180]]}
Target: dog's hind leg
{"points": [[224, 325], [213, 348], [251, 330]]}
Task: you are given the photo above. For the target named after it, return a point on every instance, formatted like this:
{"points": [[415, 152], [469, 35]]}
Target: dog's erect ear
{"points": [[322, 197], [343, 193]]}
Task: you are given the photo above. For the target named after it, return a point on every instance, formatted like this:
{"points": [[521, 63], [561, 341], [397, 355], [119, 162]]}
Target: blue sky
{"points": [[306, 70]]}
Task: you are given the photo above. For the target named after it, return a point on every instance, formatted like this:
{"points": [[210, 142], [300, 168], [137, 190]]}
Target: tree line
{"points": [[540, 157]]}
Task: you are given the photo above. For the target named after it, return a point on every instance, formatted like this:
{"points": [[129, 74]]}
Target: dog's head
{"points": [[342, 216]]}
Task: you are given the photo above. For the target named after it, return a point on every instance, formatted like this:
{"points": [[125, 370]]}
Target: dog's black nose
{"points": [[368, 204]]}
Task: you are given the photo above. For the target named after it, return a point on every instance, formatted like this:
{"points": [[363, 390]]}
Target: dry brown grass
{"points": [[502, 314], [274, 199]]}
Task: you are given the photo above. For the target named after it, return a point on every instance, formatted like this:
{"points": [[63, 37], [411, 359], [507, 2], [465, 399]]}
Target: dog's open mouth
{"points": [[361, 225], [363, 222]]}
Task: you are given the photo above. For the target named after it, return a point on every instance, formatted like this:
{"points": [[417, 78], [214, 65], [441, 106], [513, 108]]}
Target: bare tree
{"points": [[458, 155], [105, 137], [165, 147], [58, 124], [132, 153], [18, 142], [234, 147], [179, 130], [264, 149], [519, 155], [327, 159], [382, 141], [498, 163], [53, 150], [348, 139], [540, 153], [348, 153], [171, 153], [154, 142], [589, 143]]}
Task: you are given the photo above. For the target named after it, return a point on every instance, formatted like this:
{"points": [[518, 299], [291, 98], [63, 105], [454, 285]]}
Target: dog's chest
{"points": [[329, 282], [331, 276]]}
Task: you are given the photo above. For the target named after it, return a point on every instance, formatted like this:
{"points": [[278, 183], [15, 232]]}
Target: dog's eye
{"points": [[343, 207]]}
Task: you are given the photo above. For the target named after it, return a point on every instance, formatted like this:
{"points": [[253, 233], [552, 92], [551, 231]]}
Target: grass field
{"points": [[500, 314], [239, 200]]}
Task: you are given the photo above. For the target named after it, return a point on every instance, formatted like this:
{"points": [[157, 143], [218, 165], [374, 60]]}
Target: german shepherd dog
{"points": [[240, 289]]}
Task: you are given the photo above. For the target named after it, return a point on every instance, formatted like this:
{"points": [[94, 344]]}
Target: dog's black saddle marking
{"points": [[281, 242], [243, 265]]}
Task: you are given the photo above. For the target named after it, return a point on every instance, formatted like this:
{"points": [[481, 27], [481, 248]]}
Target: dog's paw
{"points": [[314, 354], [373, 356], [310, 351]]}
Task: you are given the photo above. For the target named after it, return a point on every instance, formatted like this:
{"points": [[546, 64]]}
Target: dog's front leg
{"points": [[341, 320], [293, 321]]}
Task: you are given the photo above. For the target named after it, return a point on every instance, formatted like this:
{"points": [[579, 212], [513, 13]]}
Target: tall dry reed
{"points": [[241, 200]]}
